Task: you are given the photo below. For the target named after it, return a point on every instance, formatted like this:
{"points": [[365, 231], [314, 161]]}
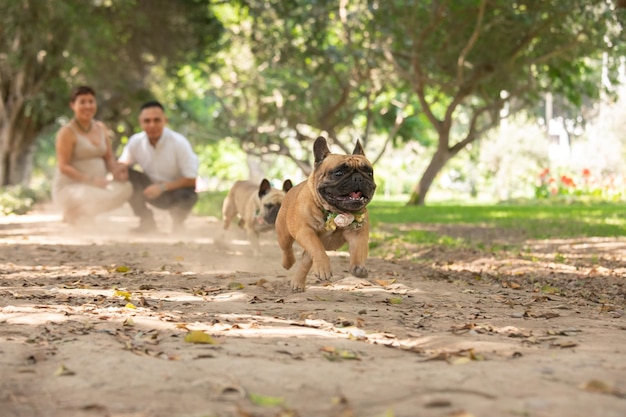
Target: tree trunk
{"points": [[438, 161], [5, 154], [16, 151]]}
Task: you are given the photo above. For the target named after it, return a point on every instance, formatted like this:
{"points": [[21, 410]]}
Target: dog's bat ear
{"points": [[264, 188], [358, 149], [320, 149], [287, 185]]}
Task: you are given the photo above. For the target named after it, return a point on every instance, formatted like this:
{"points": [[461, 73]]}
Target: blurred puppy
{"points": [[257, 207]]}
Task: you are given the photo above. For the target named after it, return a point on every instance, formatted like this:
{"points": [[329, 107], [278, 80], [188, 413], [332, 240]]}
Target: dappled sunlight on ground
{"points": [[100, 313]]}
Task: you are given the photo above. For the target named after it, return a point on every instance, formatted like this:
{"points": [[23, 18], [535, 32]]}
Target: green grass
{"points": [[210, 203], [537, 221]]}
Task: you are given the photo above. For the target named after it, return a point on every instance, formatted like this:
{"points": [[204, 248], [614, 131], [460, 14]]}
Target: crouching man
{"points": [[169, 168]]}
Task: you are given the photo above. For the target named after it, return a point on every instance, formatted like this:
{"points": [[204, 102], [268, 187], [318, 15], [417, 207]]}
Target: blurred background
{"points": [[468, 101]]}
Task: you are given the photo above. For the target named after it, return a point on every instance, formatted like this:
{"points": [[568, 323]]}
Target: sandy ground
{"points": [[103, 323]]}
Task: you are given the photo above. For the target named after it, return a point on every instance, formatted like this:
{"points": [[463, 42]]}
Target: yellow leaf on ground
{"points": [[460, 361], [266, 401], [64, 371], [119, 293], [131, 306], [333, 354], [235, 286], [346, 354], [198, 336], [122, 269]]}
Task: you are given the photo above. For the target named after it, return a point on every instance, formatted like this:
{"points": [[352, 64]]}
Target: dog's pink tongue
{"points": [[355, 195]]}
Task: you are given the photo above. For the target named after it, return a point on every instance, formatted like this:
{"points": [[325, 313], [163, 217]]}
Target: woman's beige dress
{"points": [[71, 195]]}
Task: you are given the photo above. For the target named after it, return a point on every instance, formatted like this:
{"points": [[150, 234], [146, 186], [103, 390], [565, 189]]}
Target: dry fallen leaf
{"points": [[601, 387], [461, 413], [333, 354], [564, 345], [458, 357], [385, 282]]}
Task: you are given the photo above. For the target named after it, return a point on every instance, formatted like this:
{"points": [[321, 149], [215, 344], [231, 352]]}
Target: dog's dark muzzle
{"points": [[270, 214], [351, 194]]}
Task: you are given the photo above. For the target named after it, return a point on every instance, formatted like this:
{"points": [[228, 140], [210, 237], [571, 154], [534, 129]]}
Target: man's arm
{"points": [[155, 190]]}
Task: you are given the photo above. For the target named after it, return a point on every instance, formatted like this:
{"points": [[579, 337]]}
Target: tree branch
{"points": [[470, 42], [397, 124]]}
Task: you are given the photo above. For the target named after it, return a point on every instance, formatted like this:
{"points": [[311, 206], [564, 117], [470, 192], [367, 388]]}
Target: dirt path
{"points": [[95, 324]]}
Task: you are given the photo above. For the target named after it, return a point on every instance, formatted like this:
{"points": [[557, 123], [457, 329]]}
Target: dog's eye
{"points": [[338, 174]]}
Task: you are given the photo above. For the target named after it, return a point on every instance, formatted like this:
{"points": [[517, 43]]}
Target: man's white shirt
{"points": [[170, 159]]}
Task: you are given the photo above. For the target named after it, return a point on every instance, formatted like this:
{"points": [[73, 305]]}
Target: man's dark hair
{"points": [[152, 103], [81, 91]]}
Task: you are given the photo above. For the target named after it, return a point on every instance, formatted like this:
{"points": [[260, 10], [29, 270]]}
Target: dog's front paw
{"points": [[359, 271], [297, 285], [322, 271]]}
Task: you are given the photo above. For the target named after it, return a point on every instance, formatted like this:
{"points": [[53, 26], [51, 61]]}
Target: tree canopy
{"points": [[272, 74], [344, 67], [49, 46], [466, 60]]}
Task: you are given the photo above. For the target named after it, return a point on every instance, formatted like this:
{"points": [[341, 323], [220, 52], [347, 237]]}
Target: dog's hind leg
{"points": [[229, 211]]}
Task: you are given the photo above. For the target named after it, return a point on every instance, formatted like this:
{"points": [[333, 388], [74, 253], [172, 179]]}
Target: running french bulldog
{"points": [[257, 206], [325, 211]]}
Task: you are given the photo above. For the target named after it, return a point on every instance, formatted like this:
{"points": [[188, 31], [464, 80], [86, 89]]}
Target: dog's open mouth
{"points": [[353, 196], [355, 200]]}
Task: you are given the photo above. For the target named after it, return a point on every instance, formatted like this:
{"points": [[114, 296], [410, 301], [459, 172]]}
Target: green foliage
{"points": [[210, 203], [304, 69], [271, 74], [50, 46], [18, 199], [224, 160], [467, 61]]}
